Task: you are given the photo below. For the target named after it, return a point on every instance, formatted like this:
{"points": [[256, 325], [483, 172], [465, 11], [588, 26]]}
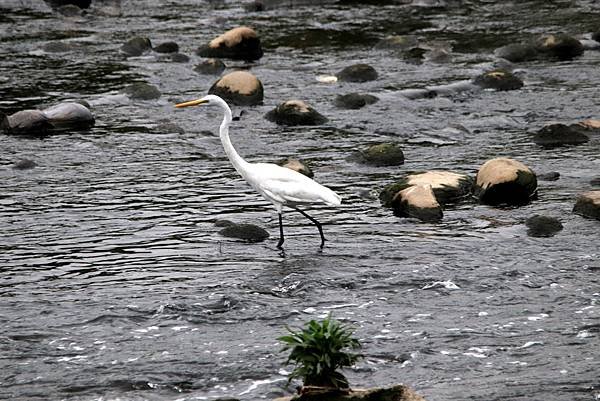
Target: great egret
{"points": [[279, 185]]}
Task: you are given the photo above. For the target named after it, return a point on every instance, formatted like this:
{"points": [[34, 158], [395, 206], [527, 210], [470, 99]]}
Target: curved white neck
{"points": [[238, 162]]}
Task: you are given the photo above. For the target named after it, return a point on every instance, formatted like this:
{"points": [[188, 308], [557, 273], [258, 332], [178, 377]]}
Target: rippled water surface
{"points": [[115, 284]]}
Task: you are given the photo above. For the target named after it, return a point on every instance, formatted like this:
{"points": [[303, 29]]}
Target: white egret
{"points": [[279, 185]]}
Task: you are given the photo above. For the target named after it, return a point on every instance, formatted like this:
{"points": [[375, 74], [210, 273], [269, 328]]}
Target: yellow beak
{"points": [[191, 103]]}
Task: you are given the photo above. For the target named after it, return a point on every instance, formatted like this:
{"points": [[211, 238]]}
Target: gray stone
{"points": [[543, 226], [136, 46], [211, 66], [357, 73], [246, 232], [381, 154], [354, 100], [25, 122], [24, 164], [554, 135], [295, 112], [69, 115], [167, 47], [142, 91]]}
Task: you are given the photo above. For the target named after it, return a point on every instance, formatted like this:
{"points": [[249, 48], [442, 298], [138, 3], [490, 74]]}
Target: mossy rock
{"points": [[211, 66], [295, 112], [297, 165], [240, 88], [357, 73], [504, 181], [555, 135], [561, 46], [381, 154], [588, 205], [241, 43], [354, 100], [136, 46], [543, 226], [245, 232], [142, 91], [500, 80]]}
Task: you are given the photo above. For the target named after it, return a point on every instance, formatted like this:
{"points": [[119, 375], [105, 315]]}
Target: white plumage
{"points": [[279, 185]]}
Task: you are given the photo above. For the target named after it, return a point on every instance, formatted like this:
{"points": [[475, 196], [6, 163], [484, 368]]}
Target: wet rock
{"points": [[588, 205], [543, 226], [212, 66], [517, 52], [354, 100], [69, 10], [295, 112], [500, 80], [25, 122], [57, 47], [399, 43], [417, 201], [240, 43], [224, 223], [357, 73], [255, 6], [561, 46], [554, 135], [69, 115], [167, 47], [505, 181], [595, 182], [167, 127], [240, 88], [179, 58], [590, 125], [551, 176], [246, 232], [381, 154], [136, 46], [394, 393], [142, 91], [296, 165], [76, 3], [447, 186], [24, 164]]}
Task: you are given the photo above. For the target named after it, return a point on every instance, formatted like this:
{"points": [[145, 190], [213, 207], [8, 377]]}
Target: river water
{"points": [[115, 284]]}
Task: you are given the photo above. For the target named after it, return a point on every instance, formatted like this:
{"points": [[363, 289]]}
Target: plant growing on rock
{"points": [[319, 350]]}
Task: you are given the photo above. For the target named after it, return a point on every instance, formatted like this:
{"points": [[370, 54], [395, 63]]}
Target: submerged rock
{"points": [[24, 164], [517, 52], [25, 122], [354, 100], [505, 181], [179, 58], [295, 112], [550, 176], [357, 73], [212, 66], [595, 182], [240, 88], [543, 226], [69, 115], [588, 205], [240, 43], [296, 165], [167, 47], [381, 154], [561, 46], [136, 46], [246, 232], [57, 47], [554, 135], [394, 393], [142, 91], [417, 201], [447, 186], [500, 80]]}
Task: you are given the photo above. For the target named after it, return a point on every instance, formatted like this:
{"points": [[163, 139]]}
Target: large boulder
{"points": [[295, 112], [241, 43], [357, 73], [25, 122], [381, 154], [500, 80], [505, 181], [136, 46], [354, 100], [447, 186], [588, 205], [69, 115], [240, 88], [554, 135], [417, 201]]}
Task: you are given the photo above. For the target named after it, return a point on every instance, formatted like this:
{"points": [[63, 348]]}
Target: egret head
{"points": [[208, 99]]}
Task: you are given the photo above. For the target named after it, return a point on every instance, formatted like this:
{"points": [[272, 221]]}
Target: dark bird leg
{"points": [[280, 243], [316, 224]]}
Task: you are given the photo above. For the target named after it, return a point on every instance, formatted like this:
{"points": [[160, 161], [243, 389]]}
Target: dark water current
{"points": [[115, 285]]}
